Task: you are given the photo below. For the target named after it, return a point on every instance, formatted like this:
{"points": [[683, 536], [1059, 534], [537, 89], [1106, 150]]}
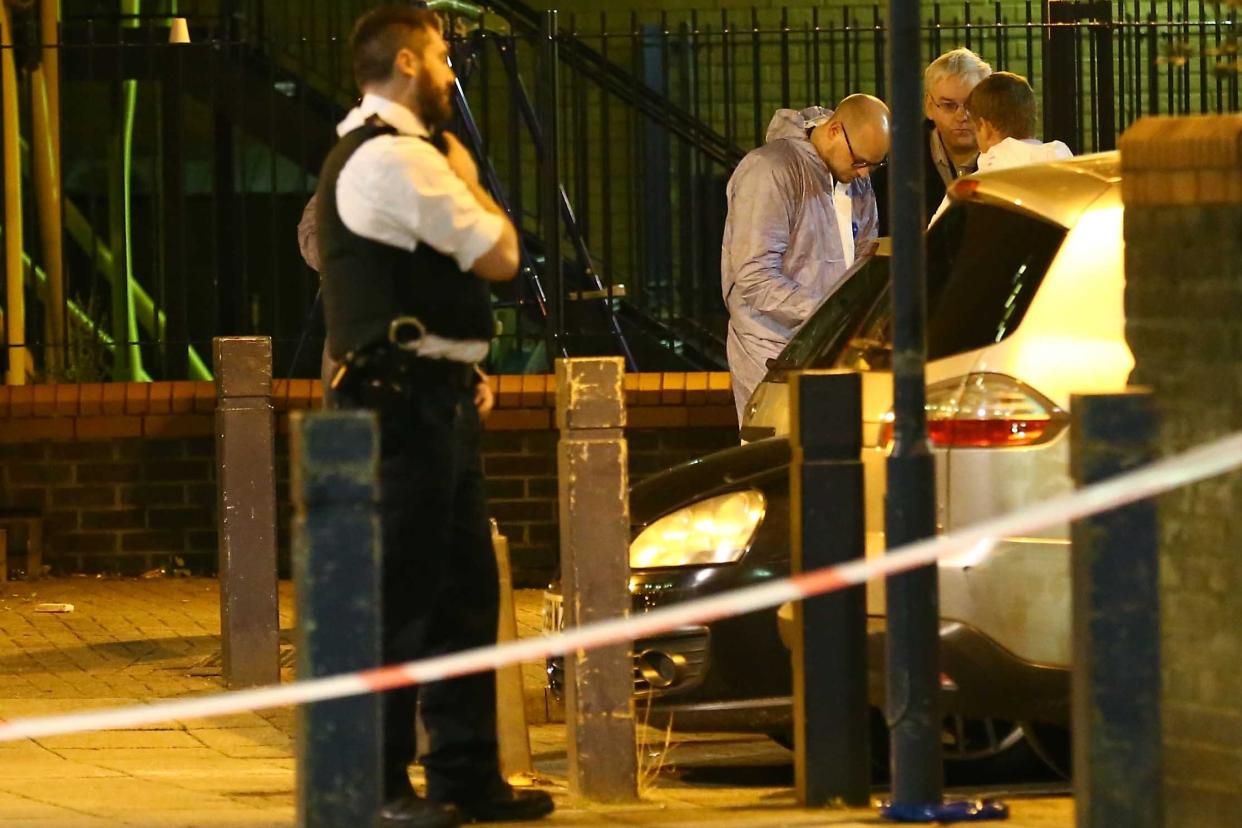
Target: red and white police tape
{"points": [[1206, 461]]}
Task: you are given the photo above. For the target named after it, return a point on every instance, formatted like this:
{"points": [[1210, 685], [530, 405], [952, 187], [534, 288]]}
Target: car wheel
{"points": [[975, 750], [971, 740], [1053, 745], [982, 751]]}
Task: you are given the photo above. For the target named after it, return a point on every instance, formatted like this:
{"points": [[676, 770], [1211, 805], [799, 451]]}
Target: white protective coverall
{"points": [[786, 244]]}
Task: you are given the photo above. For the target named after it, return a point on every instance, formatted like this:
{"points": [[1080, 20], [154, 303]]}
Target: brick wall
{"points": [[124, 474], [1183, 230], [127, 505]]}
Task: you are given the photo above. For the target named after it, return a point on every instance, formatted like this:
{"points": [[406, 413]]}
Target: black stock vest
{"points": [[367, 283]]}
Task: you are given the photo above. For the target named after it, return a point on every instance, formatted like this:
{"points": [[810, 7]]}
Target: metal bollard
{"points": [[246, 515], [1116, 622], [511, 731], [336, 562], [595, 533], [831, 713]]}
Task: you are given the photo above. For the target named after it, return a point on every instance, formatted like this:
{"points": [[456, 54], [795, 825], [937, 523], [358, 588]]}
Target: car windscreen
{"points": [[985, 264]]}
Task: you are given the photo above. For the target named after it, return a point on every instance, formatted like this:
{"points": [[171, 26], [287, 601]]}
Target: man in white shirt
{"points": [[1002, 112], [408, 241]]}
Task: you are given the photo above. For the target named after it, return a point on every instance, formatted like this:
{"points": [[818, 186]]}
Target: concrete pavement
{"points": [[132, 640]]}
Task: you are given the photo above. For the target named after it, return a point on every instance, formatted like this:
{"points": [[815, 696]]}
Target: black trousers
{"points": [[440, 588]]}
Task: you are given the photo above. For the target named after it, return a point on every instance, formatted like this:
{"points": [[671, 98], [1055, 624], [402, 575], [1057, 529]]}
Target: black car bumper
{"points": [[735, 675]]}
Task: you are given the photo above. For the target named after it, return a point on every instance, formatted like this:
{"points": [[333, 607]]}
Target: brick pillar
{"points": [[1182, 186]]}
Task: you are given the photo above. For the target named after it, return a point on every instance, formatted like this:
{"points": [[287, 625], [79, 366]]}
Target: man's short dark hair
{"points": [[381, 33], [1007, 102]]}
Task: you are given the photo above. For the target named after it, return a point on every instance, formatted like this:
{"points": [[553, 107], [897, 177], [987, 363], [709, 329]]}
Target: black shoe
{"points": [[413, 812], [504, 804]]}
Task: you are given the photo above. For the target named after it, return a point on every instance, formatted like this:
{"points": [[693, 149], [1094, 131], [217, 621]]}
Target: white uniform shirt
{"points": [[399, 190], [843, 201]]}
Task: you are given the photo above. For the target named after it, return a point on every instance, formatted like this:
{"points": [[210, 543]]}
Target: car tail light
{"points": [[986, 411], [965, 189]]}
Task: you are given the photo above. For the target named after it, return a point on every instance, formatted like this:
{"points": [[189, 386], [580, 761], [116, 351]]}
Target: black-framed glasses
{"points": [[856, 162], [949, 107]]}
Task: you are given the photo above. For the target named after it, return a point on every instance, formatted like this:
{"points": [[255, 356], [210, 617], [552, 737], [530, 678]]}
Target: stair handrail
{"points": [[622, 83]]}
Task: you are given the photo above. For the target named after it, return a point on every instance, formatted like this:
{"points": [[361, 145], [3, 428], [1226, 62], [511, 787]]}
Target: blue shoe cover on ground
{"points": [[973, 810]]}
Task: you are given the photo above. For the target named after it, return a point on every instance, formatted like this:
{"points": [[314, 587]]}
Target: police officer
{"points": [[408, 241]]}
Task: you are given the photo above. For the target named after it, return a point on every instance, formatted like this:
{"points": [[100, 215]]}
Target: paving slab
{"points": [[132, 641], [269, 818], [14, 806], [116, 739], [129, 794], [66, 819]]}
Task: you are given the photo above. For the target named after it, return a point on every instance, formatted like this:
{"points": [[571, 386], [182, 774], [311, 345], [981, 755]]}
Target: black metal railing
{"points": [[609, 136]]}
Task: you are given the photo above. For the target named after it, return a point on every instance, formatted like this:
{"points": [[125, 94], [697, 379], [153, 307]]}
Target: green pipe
{"points": [[77, 314], [124, 319], [149, 319], [79, 229], [457, 7]]}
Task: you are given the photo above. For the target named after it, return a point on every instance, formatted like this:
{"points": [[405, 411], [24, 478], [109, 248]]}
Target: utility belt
{"points": [[409, 358]]}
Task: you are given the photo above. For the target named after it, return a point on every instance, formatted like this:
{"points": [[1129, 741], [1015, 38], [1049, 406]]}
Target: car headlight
{"points": [[717, 530]]}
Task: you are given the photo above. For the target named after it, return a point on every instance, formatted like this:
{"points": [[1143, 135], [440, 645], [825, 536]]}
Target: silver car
{"points": [[1025, 307]]}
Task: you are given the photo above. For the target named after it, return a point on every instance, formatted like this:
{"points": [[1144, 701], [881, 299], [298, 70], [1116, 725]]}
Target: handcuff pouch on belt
{"points": [[381, 373]]}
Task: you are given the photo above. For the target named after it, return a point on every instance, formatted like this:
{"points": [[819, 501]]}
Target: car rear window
{"points": [[984, 267]]}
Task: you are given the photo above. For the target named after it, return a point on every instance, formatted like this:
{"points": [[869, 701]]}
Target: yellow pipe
{"points": [[45, 90], [50, 27], [15, 316], [47, 198]]}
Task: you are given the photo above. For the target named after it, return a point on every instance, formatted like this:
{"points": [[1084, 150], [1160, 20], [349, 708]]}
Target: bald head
{"points": [[869, 124], [858, 110], [857, 137]]}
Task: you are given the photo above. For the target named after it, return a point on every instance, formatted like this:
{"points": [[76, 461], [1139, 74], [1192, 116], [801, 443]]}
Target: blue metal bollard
{"points": [[336, 562], [831, 714], [1116, 622]]}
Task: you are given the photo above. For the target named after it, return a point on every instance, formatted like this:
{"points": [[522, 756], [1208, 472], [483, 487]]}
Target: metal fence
{"points": [[182, 170]]}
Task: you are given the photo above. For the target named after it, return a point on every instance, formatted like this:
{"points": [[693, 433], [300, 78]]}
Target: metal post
{"points": [[174, 284], [1061, 82], [1116, 622], [336, 562], [549, 102], [655, 150], [913, 642], [831, 714], [595, 532], [246, 465], [1106, 119]]}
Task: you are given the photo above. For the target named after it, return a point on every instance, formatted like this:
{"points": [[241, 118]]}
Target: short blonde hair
{"points": [[959, 63]]}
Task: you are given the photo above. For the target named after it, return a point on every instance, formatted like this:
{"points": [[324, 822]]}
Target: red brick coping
{"points": [[104, 411]]}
